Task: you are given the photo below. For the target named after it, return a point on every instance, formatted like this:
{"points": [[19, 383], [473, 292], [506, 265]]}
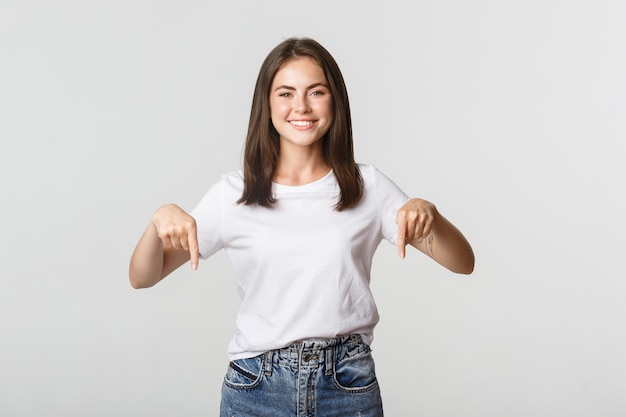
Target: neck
{"points": [[301, 166]]}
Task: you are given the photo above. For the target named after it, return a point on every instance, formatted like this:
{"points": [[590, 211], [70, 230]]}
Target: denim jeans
{"points": [[329, 378]]}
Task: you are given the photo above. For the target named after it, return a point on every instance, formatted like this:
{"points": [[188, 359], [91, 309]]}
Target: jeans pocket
{"points": [[245, 373], [356, 373]]}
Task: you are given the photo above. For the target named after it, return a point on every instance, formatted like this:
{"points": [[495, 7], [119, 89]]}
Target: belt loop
{"points": [[329, 359], [269, 362]]}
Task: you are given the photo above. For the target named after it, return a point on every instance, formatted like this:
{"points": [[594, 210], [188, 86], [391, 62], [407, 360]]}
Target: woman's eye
{"points": [[317, 93], [285, 94]]}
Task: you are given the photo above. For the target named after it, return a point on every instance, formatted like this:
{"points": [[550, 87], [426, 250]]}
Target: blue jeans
{"points": [[329, 378]]}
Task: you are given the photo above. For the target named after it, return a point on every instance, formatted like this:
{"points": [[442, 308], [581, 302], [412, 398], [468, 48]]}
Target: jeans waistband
{"points": [[315, 353]]}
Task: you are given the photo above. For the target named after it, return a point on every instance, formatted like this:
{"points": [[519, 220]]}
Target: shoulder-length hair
{"points": [[262, 141]]}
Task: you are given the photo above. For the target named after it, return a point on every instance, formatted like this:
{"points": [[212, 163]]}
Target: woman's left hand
{"points": [[415, 221]]}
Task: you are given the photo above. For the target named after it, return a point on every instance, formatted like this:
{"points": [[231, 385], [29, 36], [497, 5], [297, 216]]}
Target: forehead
{"points": [[299, 70]]}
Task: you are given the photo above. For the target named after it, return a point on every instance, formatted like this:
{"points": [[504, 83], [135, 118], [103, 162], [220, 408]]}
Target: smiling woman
{"points": [[300, 72], [301, 111], [300, 225]]}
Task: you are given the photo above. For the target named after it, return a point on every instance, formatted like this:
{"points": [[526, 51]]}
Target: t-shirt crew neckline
{"points": [[302, 186]]}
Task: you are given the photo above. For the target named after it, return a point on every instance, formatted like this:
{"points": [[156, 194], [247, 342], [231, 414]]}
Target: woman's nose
{"points": [[302, 105]]}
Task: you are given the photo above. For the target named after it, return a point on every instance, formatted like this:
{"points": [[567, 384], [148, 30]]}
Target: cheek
{"points": [[278, 109], [327, 111], [325, 107]]}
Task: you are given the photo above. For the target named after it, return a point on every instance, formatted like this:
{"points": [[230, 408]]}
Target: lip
{"points": [[301, 124]]}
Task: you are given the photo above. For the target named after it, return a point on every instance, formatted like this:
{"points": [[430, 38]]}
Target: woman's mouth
{"points": [[301, 123]]}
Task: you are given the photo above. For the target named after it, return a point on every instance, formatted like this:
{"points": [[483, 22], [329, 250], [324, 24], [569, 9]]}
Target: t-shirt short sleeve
{"points": [[389, 199], [209, 214]]}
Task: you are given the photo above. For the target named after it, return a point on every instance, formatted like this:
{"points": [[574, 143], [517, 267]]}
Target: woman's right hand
{"points": [[177, 230]]}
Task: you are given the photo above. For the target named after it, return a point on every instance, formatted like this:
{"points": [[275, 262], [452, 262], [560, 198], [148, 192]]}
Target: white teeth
{"points": [[301, 122]]}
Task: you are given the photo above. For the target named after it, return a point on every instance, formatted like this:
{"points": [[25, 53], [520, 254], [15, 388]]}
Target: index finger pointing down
{"points": [[194, 251], [401, 242]]}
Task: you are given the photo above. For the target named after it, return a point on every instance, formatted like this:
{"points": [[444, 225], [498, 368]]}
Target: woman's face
{"points": [[301, 105]]}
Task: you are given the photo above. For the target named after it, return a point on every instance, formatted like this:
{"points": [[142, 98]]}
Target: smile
{"points": [[301, 123]]}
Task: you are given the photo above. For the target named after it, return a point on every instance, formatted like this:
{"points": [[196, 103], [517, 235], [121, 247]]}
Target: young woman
{"points": [[300, 224]]}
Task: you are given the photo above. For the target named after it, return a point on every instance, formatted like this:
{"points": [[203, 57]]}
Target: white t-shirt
{"points": [[302, 267]]}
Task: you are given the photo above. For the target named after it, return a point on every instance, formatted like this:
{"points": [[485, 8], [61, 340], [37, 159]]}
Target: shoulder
{"points": [[367, 171], [232, 178], [379, 183], [371, 175], [230, 181], [225, 188]]}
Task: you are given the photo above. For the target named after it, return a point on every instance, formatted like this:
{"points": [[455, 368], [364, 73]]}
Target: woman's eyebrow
{"points": [[288, 87]]}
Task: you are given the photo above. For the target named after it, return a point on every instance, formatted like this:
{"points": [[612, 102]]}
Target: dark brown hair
{"points": [[263, 143]]}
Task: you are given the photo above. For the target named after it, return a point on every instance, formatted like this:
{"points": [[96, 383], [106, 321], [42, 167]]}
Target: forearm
{"points": [[448, 246], [146, 263]]}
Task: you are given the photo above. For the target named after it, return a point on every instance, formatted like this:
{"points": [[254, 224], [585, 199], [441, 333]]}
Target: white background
{"points": [[509, 116]]}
